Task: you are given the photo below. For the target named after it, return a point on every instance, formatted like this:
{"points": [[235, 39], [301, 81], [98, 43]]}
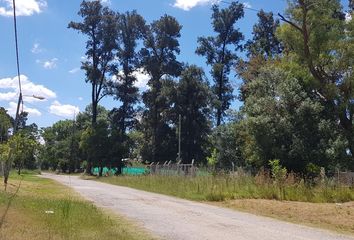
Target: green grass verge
{"points": [[223, 187], [44, 209]]}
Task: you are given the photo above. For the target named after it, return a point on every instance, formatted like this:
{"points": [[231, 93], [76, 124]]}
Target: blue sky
{"points": [[50, 53]]}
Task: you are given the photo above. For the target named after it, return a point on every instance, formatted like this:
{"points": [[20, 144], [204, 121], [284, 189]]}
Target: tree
{"points": [[61, 150], [100, 26], [5, 125], [23, 151], [94, 144], [264, 41], [263, 49], [131, 28], [227, 143], [219, 56], [193, 100], [159, 61], [284, 122], [319, 40]]}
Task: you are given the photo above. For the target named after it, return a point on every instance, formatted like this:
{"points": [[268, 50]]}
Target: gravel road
{"points": [[177, 219]]}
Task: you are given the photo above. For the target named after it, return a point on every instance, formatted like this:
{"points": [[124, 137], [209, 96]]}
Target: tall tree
{"points": [[219, 56], [193, 100], [316, 33], [262, 49], [159, 60], [131, 27], [100, 26], [264, 41]]}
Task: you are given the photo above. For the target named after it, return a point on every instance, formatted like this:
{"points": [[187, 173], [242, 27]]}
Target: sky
{"points": [[50, 54]]}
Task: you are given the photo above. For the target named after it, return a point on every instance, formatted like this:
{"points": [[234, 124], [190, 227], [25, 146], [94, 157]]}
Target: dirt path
{"points": [[177, 219]]}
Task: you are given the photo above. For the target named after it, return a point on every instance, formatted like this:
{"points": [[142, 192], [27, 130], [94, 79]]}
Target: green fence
{"points": [[125, 171]]}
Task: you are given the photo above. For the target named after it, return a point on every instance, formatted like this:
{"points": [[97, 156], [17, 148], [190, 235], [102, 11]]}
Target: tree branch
{"points": [[291, 23]]}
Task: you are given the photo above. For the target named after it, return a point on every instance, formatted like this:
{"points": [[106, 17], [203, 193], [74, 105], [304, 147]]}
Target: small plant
{"points": [[278, 171], [213, 159]]}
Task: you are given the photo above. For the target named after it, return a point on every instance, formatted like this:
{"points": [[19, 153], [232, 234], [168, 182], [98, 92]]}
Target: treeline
{"points": [[19, 150], [297, 91]]}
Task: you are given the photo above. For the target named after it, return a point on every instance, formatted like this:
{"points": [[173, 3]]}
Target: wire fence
{"points": [[169, 169]]}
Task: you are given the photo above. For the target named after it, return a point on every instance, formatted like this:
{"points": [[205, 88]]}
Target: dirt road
{"points": [[177, 219]]}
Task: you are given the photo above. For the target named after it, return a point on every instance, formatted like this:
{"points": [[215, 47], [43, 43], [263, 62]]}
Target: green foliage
{"points": [[283, 122], [229, 142], [94, 144], [5, 125], [193, 100], [264, 42], [23, 150], [222, 187], [320, 41], [216, 50], [158, 58], [278, 171], [131, 28], [99, 24], [213, 159]]}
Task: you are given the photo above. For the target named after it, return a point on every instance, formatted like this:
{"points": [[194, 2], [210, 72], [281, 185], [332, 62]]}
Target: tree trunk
{"points": [[94, 113], [101, 170], [88, 168]]}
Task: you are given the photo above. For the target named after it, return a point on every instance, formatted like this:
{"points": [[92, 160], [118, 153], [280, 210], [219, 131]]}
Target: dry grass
{"points": [[73, 218], [332, 216], [324, 205]]}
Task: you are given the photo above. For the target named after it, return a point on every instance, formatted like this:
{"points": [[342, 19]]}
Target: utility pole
{"points": [[7, 164], [179, 136], [72, 145]]}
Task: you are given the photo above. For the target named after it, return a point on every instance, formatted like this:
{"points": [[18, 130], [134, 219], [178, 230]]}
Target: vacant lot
{"points": [[37, 208]]}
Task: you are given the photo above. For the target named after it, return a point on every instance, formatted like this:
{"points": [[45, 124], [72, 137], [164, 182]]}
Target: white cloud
{"points": [[247, 5], [189, 4], [9, 90], [141, 79], [36, 48], [74, 70], [48, 64], [31, 111], [80, 98], [348, 17], [23, 7], [8, 96], [63, 110], [107, 2]]}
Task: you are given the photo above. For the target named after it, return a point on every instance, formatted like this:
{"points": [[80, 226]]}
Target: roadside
{"points": [[337, 217], [175, 219], [42, 209]]}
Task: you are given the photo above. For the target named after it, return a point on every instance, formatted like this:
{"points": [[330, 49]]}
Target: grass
{"points": [[332, 216], [321, 205], [226, 187], [43, 209]]}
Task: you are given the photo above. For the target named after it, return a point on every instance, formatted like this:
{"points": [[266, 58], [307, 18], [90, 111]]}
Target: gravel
{"points": [[177, 219]]}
